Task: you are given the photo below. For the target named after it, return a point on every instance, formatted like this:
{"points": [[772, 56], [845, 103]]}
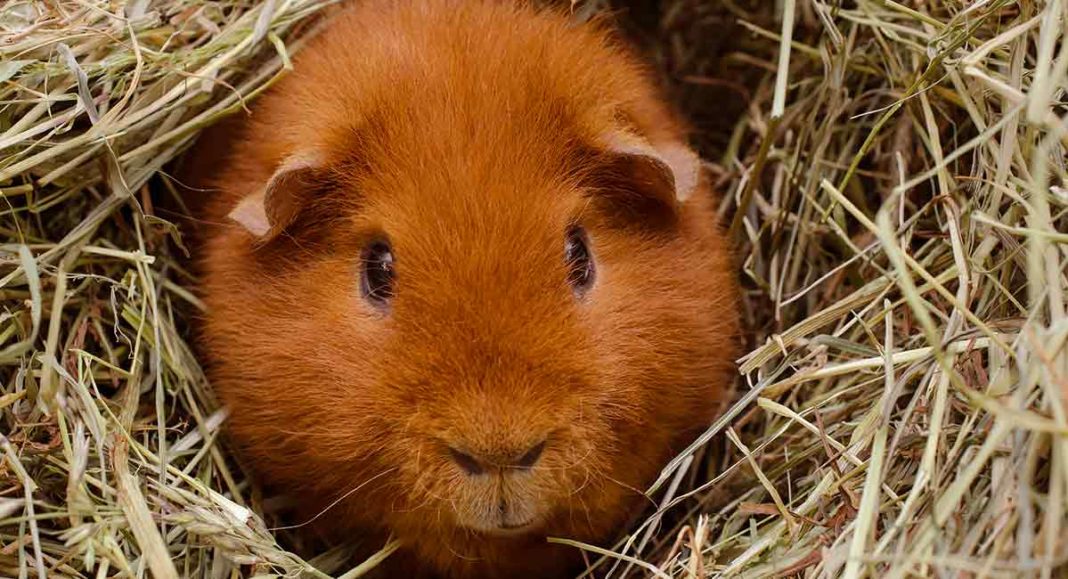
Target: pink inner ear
{"points": [[251, 214], [683, 163]]}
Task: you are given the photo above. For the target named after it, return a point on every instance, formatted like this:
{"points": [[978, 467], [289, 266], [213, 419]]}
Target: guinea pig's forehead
{"points": [[454, 206], [468, 242], [479, 237]]}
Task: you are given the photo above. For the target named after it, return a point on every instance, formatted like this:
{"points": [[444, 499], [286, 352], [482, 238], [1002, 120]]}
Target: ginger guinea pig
{"points": [[466, 264]]}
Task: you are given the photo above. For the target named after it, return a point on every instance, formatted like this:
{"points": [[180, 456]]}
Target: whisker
{"points": [[630, 488], [335, 503]]}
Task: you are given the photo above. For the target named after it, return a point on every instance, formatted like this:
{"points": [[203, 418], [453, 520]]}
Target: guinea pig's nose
{"points": [[467, 462], [476, 464], [530, 457]]}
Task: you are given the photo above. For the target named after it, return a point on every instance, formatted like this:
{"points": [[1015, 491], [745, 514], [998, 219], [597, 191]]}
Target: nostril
{"points": [[466, 461], [531, 457]]}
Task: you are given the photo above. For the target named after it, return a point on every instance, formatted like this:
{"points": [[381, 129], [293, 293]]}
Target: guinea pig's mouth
{"points": [[516, 526], [511, 529], [513, 526], [505, 529]]}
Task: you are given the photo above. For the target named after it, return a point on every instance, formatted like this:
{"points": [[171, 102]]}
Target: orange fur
{"points": [[466, 132]]}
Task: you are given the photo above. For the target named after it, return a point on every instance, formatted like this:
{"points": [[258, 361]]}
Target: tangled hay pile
{"points": [[898, 183]]}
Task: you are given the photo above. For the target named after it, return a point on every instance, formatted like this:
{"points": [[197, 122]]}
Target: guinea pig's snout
{"points": [[498, 488], [501, 473], [504, 460]]}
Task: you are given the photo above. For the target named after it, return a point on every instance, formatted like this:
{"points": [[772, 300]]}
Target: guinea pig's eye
{"points": [[376, 277], [580, 272]]}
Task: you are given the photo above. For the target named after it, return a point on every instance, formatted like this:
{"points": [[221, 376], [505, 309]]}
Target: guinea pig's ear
{"points": [[268, 210], [648, 174]]}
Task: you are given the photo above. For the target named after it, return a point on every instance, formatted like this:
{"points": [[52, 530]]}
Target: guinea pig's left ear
{"points": [[268, 210], [667, 170]]}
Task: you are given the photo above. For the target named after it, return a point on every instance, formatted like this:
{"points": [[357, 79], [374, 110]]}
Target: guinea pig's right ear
{"points": [[670, 167], [269, 209], [643, 178]]}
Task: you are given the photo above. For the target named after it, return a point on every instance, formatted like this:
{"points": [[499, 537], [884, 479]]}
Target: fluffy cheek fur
{"points": [[290, 362]]}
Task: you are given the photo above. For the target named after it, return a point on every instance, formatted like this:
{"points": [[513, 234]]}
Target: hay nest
{"points": [[898, 181]]}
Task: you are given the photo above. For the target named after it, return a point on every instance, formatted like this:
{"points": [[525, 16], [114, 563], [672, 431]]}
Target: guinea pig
{"points": [[466, 285]]}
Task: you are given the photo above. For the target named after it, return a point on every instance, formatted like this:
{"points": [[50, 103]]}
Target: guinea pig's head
{"points": [[467, 314]]}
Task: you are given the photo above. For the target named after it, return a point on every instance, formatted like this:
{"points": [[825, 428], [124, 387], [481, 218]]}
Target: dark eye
{"points": [[376, 277], [580, 269]]}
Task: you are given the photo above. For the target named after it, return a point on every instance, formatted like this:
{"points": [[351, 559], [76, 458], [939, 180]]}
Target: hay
{"points": [[899, 178]]}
